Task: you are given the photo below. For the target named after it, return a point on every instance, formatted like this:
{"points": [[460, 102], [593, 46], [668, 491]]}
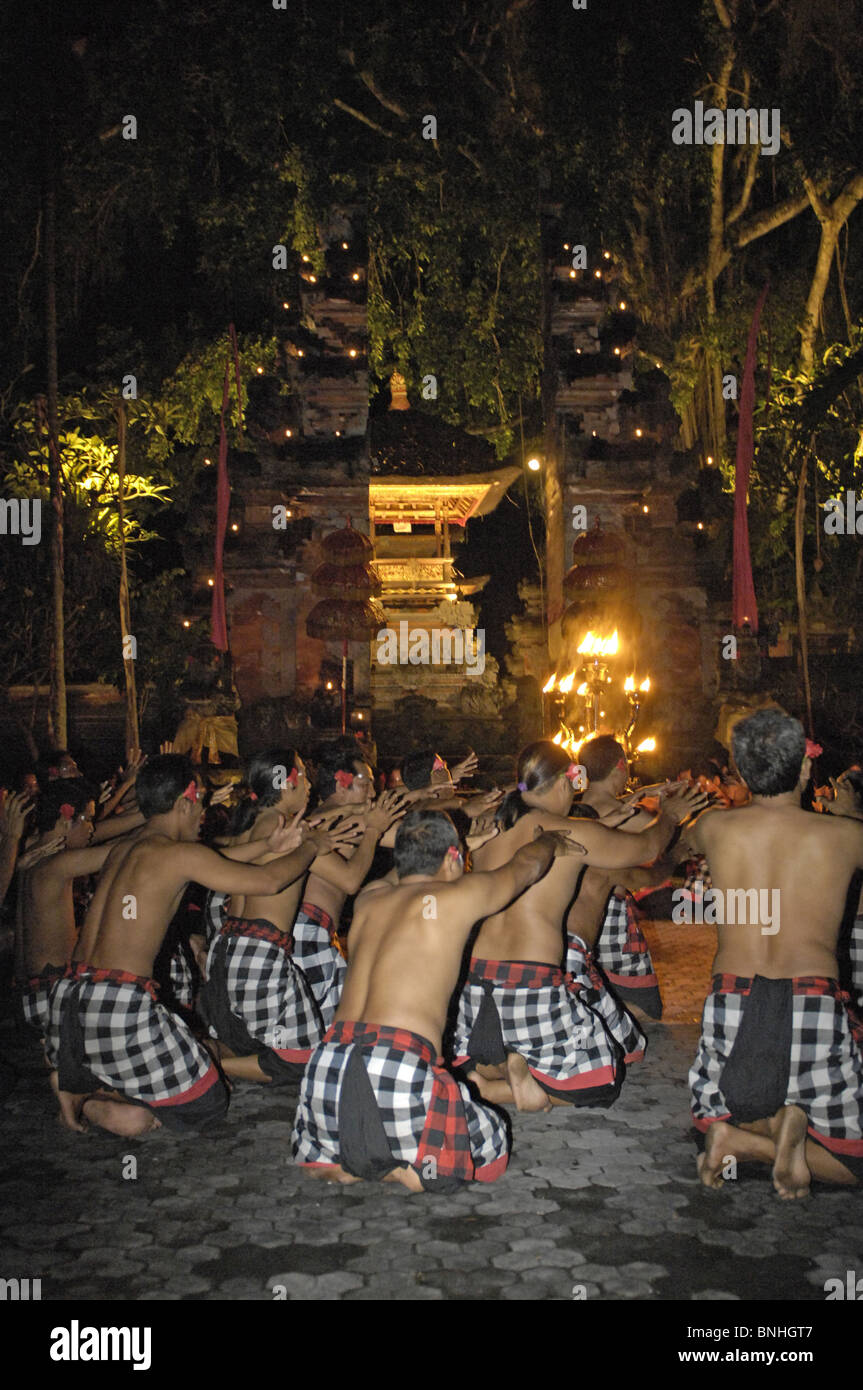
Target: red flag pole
{"points": [[744, 606]]}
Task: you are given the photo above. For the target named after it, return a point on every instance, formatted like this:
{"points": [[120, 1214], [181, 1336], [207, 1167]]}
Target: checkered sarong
{"points": [[594, 991], [252, 979], [317, 952], [825, 1061], [36, 997], [621, 948], [543, 1018], [107, 1029], [182, 978], [430, 1120], [215, 912], [856, 949]]}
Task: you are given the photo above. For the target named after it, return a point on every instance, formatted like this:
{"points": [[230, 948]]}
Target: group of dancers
{"points": [[422, 958]]}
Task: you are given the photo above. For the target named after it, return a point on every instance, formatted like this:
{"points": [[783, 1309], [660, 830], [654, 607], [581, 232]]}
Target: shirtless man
{"points": [[520, 1019], [257, 999], [778, 1077], [847, 800], [45, 929], [117, 1049], [621, 950], [343, 782], [376, 1101]]}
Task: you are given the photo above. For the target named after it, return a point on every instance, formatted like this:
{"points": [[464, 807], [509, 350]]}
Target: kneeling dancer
{"points": [[528, 1033], [778, 1077], [376, 1101], [118, 1051]]}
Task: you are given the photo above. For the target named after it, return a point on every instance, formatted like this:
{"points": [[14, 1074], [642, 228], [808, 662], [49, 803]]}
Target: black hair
{"points": [[161, 780], [422, 841], [582, 810], [768, 748], [265, 779], [600, 756], [417, 770], [47, 765], [63, 791], [538, 764], [338, 757]]}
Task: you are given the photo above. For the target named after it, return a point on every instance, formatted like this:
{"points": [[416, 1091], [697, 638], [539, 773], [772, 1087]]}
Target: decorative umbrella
{"points": [[347, 607]]}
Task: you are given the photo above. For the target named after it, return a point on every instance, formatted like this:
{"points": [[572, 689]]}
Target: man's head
{"points": [[67, 807], [769, 749], [341, 773], [168, 784], [57, 764], [424, 769], [604, 760], [426, 843]]}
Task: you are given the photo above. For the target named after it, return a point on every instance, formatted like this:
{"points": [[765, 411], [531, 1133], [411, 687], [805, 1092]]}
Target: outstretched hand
{"points": [[13, 815], [681, 802], [221, 794], [342, 836], [466, 768], [286, 838], [389, 807], [560, 841], [167, 746]]}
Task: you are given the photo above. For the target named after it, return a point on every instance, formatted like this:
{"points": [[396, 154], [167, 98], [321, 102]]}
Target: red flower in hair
{"points": [[191, 792], [293, 777], [253, 796], [813, 749], [344, 779], [438, 765], [67, 811]]}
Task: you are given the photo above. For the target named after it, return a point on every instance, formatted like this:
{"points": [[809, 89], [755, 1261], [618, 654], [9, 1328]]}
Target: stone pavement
{"points": [[597, 1204]]}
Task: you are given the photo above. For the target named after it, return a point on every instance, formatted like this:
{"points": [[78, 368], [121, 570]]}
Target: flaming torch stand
{"points": [[595, 675]]}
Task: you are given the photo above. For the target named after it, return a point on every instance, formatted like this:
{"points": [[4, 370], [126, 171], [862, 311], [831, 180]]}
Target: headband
{"points": [[813, 749], [191, 792], [344, 779], [67, 811]]}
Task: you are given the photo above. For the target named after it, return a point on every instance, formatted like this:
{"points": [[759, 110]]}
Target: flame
{"points": [[582, 689], [645, 684], [558, 738], [565, 685], [647, 745], [549, 685], [599, 646], [629, 684]]}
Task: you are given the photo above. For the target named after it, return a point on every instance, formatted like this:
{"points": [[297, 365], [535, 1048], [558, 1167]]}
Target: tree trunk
{"points": [[802, 617], [129, 645], [57, 709]]}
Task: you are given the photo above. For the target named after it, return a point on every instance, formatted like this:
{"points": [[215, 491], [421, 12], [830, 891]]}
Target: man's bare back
{"points": [[807, 859]]}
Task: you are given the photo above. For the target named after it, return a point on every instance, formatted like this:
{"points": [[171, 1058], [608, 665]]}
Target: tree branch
{"points": [[753, 154], [366, 120]]}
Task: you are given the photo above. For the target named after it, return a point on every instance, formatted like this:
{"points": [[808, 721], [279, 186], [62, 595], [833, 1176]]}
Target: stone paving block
{"points": [[421, 1294], [714, 1296], [307, 1288]]}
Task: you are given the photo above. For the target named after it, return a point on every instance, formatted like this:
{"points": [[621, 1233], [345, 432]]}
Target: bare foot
{"points": [[529, 1095], [70, 1105], [408, 1177], [332, 1173], [498, 1092], [791, 1176], [724, 1141], [120, 1118]]}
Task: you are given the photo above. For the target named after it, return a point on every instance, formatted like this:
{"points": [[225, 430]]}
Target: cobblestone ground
{"points": [[597, 1204]]}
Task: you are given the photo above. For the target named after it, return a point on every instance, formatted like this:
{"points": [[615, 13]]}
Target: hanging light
{"points": [[260, 371], [234, 526], [352, 352], [356, 275], [598, 274], [534, 465], [622, 305], [211, 582], [607, 255], [288, 434], [186, 623], [344, 246]]}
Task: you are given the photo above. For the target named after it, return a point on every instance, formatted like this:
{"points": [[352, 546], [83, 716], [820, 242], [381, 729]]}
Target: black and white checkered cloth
{"points": [[406, 1079], [182, 978], [263, 988], [319, 959], [215, 912], [36, 997], [857, 960], [543, 1018], [594, 991], [825, 1062], [111, 1025], [621, 947]]}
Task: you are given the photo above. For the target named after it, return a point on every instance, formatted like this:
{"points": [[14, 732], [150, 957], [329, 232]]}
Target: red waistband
{"points": [[81, 971], [371, 1034], [260, 929], [516, 974], [318, 915], [800, 984], [46, 975]]}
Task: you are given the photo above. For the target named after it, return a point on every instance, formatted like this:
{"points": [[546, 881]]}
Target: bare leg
{"points": [[826, 1167], [490, 1073], [120, 1117], [244, 1068], [791, 1176], [725, 1141], [498, 1092], [70, 1107], [529, 1095]]}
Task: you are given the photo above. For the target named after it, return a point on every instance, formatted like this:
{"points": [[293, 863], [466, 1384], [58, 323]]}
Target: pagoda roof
{"points": [[421, 467]]}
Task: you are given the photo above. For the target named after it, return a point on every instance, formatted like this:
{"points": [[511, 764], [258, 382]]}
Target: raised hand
{"points": [[481, 804], [43, 851], [13, 815], [680, 802], [466, 768], [482, 830], [135, 760], [389, 807], [286, 838], [167, 746], [337, 837], [559, 841], [221, 794]]}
